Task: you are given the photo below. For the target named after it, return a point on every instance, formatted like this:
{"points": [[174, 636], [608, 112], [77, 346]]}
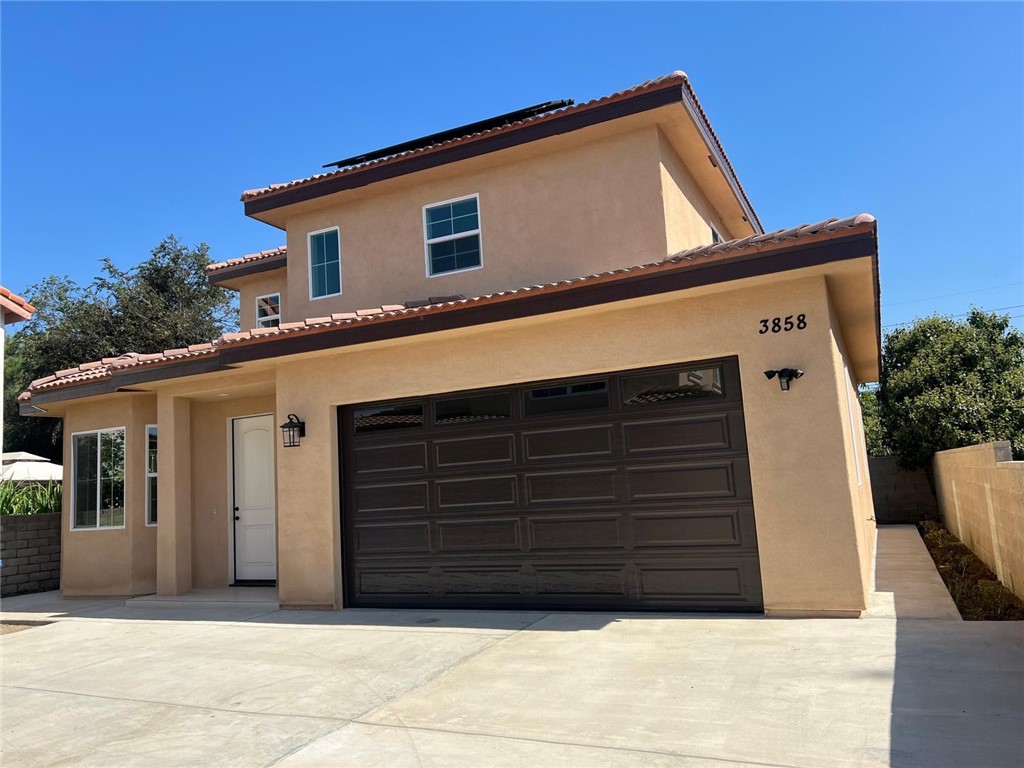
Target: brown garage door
{"points": [[622, 491]]}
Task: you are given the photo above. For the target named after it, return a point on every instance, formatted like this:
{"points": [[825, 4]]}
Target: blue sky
{"points": [[122, 123]]}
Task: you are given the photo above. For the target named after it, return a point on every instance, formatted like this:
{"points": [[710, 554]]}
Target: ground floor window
{"points": [[150, 474], [98, 471]]}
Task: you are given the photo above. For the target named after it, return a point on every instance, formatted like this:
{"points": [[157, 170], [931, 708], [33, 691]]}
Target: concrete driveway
{"points": [[109, 685]]}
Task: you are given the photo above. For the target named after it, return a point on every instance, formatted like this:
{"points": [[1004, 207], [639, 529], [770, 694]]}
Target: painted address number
{"points": [[780, 324]]}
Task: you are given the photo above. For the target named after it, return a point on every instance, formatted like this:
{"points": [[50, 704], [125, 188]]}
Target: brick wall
{"points": [[30, 551], [981, 495], [900, 496]]}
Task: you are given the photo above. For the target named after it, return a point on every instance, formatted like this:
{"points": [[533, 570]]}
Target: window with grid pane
{"points": [[452, 235], [324, 263], [268, 310], [98, 471]]}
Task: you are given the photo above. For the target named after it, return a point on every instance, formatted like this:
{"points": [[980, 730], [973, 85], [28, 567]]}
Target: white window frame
{"points": [[148, 474], [309, 263], [99, 483], [854, 425], [278, 294], [427, 242]]}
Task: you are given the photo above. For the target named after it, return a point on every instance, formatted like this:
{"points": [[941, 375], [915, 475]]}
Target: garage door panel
{"points": [[698, 528], [478, 580], [391, 497], [705, 479], [477, 492], [599, 580], [396, 581], [478, 535], [568, 443], [510, 498], [474, 451], [388, 539], [371, 460], [710, 432], [694, 581], [576, 532], [571, 487]]}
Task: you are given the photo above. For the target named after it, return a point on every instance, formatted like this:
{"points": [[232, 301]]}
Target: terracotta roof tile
{"points": [[281, 251], [12, 303], [673, 77], [758, 243]]}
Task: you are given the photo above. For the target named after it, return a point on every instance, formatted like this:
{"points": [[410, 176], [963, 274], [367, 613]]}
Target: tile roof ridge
{"points": [[658, 82]]}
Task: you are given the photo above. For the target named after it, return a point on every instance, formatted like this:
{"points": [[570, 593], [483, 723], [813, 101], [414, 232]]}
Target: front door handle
{"points": [[237, 517]]}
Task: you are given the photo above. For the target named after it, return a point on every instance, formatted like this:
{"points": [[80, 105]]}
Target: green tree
{"points": [[165, 302], [948, 384], [874, 435]]}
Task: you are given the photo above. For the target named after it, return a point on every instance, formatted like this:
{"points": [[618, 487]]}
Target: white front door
{"points": [[254, 539]]}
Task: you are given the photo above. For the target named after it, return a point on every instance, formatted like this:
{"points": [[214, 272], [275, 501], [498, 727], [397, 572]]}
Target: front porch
{"points": [[263, 598]]}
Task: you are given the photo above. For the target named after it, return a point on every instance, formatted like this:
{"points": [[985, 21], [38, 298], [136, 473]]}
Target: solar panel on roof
{"points": [[453, 133]]}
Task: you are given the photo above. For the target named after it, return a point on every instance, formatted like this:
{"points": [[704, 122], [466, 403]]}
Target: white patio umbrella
{"points": [[21, 467]]}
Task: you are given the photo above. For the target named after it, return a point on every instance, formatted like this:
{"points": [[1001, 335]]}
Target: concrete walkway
{"points": [[109, 685], [907, 586]]}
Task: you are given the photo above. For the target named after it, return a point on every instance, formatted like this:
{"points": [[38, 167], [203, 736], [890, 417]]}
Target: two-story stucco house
{"points": [[529, 359]]}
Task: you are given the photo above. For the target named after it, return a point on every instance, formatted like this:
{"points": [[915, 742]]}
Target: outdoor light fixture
{"points": [[785, 375], [292, 430]]}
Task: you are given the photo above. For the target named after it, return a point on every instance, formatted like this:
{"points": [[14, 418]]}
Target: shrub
{"points": [[32, 499]]}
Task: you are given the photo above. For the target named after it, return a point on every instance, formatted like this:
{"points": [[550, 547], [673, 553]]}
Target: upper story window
{"points": [[715, 237], [268, 310], [324, 263], [97, 493], [452, 235]]}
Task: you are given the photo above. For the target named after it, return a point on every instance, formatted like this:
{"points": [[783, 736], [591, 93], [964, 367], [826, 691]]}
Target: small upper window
{"points": [[268, 310], [452, 235], [715, 237], [324, 263]]}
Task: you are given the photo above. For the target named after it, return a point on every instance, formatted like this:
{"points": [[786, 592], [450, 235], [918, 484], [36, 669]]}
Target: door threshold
{"points": [[254, 583]]}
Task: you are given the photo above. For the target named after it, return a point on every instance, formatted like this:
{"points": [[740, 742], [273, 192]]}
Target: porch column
{"points": [[174, 495]]}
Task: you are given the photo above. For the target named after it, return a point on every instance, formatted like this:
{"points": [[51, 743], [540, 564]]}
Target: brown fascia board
{"points": [[511, 307], [225, 274], [572, 121]]}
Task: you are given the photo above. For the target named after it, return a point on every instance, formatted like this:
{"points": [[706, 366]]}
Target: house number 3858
{"points": [[780, 324]]}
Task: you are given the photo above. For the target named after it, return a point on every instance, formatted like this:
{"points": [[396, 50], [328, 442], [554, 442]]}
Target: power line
{"points": [[965, 314], [950, 295]]}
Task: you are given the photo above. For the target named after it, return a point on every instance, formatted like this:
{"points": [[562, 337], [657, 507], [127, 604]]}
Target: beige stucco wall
{"points": [[260, 284], [587, 208], [211, 514], [115, 561], [981, 496], [688, 214], [855, 448], [812, 544]]}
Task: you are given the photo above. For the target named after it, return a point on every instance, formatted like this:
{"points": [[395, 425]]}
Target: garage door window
{"points": [[566, 397], [685, 384], [389, 417], [466, 410]]}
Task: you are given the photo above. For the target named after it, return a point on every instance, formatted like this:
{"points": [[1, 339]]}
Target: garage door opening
{"points": [[622, 491]]}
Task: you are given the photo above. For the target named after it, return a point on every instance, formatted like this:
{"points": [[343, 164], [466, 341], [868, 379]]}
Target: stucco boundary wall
{"points": [[980, 491], [901, 496], [30, 552]]}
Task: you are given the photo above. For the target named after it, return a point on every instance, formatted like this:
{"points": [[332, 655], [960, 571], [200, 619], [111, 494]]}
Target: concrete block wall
{"points": [[981, 497], [30, 553], [900, 495]]}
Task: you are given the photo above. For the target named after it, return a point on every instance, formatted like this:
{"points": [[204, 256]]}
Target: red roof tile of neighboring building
{"points": [[767, 242], [677, 77], [15, 308]]}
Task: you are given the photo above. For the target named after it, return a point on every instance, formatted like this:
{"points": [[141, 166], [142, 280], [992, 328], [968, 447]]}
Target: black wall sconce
{"points": [[785, 375], [292, 430]]}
